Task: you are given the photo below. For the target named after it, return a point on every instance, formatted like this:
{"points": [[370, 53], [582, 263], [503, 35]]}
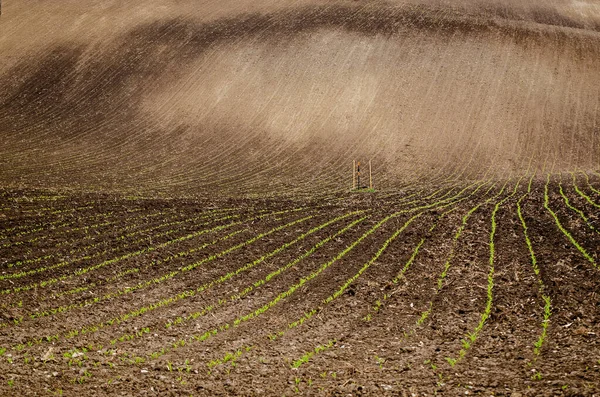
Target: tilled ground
{"points": [[413, 292]]}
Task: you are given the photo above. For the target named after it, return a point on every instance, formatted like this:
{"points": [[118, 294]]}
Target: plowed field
{"points": [[176, 215]]}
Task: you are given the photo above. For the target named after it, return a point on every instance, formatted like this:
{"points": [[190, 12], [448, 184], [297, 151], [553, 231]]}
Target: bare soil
{"points": [[176, 218]]}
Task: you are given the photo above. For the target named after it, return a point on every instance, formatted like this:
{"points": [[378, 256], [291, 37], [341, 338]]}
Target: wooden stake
{"points": [[353, 174], [370, 176]]}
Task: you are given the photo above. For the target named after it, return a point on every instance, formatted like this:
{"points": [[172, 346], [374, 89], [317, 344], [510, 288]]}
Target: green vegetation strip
{"points": [[122, 237], [582, 194], [184, 294], [304, 359], [587, 179], [562, 229], [471, 337], [281, 296], [85, 228], [450, 257], [180, 320], [575, 209], [46, 283], [61, 264], [59, 223]]}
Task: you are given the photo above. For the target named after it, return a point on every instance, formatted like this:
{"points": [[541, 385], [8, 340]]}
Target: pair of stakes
{"points": [[356, 176]]}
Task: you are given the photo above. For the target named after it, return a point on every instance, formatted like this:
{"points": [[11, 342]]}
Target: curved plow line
{"points": [[441, 199], [210, 308], [440, 282], [55, 224], [575, 209], [46, 283], [42, 269], [172, 274], [587, 180], [171, 223], [20, 227], [126, 290], [298, 362], [403, 199], [541, 287], [400, 275], [174, 298], [307, 316], [54, 211], [441, 202], [36, 198], [122, 237], [76, 229], [562, 229], [283, 295], [582, 194], [470, 338], [257, 284], [453, 186]]}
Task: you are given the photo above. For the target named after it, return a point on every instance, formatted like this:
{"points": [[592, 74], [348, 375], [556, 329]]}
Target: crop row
{"points": [[246, 318], [448, 262], [336, 294], [541, 287], [292, 289], [23, 228], [569, 236], [65, 263], [27, 229], [157, 280], [154, 280], [137, 228], [62, 229], [226, 277], [471, 337]]}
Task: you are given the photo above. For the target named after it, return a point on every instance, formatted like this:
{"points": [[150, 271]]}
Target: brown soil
{"points": [[95, 329], [175, 216]]}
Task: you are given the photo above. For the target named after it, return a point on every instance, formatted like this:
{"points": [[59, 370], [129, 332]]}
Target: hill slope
{"points": [[280, 97]]}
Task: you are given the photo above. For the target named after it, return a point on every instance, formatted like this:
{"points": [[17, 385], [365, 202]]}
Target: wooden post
{"points": [[353, 174], [370, 176], [358, 176]]}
